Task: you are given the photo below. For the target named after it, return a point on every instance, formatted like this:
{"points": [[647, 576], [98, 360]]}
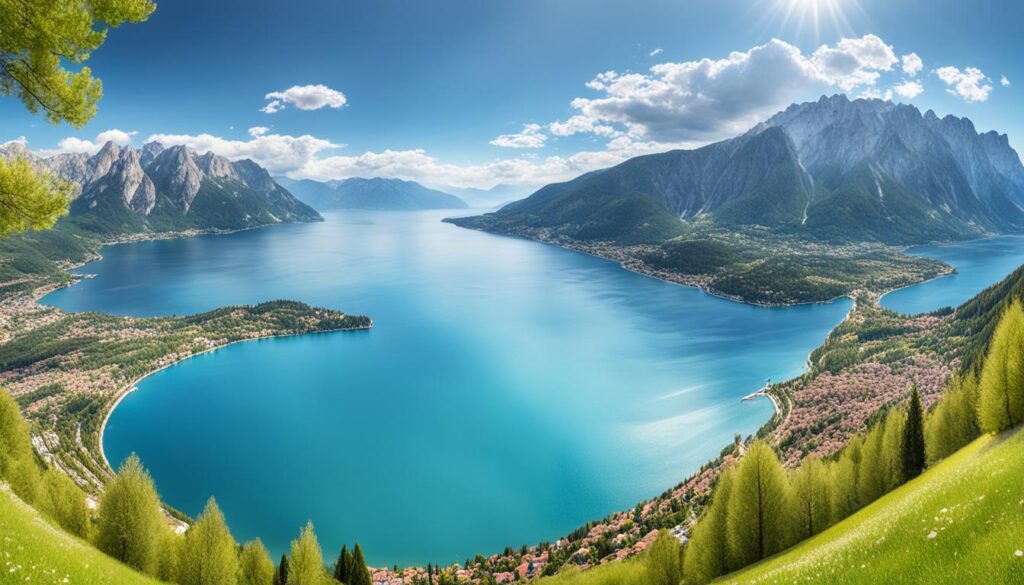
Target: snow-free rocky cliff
{"points": [[860, 170], [122, 189]]}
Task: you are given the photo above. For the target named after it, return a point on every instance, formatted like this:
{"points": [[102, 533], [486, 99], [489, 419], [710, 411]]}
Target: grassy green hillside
{"points": [[960, 522], [34, 551]]}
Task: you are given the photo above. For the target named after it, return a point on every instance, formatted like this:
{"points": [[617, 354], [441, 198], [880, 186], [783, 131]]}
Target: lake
{"points": [[509, 391], [978, 263]]}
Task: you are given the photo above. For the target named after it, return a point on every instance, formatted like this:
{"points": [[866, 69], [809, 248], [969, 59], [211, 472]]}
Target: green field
{"points": [[34, 551], [960, 522]]}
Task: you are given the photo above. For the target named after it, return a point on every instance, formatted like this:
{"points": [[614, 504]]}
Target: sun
{"points": [[816, 18]]}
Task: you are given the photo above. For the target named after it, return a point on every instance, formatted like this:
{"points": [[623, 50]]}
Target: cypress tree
{"points": [[131, 526], [1001, 400], [360, 574], [343, 568], [281, 575], [913, 438], [760, 512]]}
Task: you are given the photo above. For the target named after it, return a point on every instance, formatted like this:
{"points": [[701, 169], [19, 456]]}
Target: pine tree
{"points": [[664, 558], [1001, 400], [707, 553], [306, 566], [811, 496], [208, 556], [254, 564], [953, 422], [130, 526], [913, 455], [360, 575], [760, 513]]}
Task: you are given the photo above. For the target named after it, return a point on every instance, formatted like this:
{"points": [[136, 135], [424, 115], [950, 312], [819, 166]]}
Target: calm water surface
{"points": [[979, 264], [509, 391]]}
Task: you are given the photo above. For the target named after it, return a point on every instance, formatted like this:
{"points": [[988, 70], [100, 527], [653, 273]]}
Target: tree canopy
{"points": [[38, 42]]}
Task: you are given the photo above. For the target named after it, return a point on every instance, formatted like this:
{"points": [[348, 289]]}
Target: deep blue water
{"points": [[509, 391], [978, 263]]}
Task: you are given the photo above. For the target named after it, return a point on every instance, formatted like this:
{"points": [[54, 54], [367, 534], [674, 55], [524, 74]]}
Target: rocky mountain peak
{"points": [[176, 173]]}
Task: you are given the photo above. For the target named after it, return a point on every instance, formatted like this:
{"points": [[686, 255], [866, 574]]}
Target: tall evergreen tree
{"points": [[760, 513], [1001, 401], [343, 568], [810, 494], [255, 566], [281, 575], [953, 422], [871, 473], [843, 481], [360, 575], [130, 526], [306, 566], [707, 553], [913, 438], [892, 449], [664, 566], [208, 556]]}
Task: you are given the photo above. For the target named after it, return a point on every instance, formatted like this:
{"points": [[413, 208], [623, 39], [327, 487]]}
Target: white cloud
{"points": [[530, 137], [581, 124], [73, 144], [304, 97], [278, 153], [872, 93], [656, 52], [909, 89], [970, 83], [710, 99], [1003, 81], [256, 131], [912, 64]]}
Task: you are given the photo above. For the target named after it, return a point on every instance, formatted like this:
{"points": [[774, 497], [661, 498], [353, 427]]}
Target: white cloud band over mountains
{"points": [[670, 105]]}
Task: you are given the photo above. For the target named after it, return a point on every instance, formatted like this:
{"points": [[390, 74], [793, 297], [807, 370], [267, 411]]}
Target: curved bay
{"points": [[509, 391]]}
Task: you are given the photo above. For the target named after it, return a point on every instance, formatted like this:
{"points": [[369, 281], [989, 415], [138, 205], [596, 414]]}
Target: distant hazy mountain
{"points": [[381, 194], [835, 169], [124, 190], [496, 195]]}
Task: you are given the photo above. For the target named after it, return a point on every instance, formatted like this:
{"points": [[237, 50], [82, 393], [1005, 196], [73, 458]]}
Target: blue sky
{"points": [[442, 91]]}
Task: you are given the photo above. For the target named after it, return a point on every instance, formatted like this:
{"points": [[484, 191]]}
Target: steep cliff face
{"points": [[121, 189], [835, 169]]}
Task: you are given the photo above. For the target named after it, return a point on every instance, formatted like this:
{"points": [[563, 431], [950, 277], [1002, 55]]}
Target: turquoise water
{"points": [[509, 391], [978, 263]]}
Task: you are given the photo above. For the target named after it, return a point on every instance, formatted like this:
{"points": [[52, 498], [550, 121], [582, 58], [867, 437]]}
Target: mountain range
{"points": [[122, 190], [834, 169], [377, 193]]}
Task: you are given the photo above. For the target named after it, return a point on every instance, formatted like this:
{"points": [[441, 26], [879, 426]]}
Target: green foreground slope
{"points": [[960, 522], [34, 551]]}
